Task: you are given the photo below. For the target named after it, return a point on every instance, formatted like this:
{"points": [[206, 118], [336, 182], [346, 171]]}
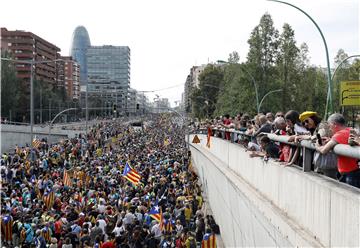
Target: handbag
{"points": [[326, 161]]}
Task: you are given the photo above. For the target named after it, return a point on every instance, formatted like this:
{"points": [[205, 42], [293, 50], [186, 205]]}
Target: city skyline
{"points": [[167, 39]]}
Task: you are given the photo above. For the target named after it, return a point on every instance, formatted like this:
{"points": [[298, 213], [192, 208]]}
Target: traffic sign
{"points": [[350, 93]]}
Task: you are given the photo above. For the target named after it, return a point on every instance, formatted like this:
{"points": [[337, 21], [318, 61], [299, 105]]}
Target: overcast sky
{"points": [[167, 37]]}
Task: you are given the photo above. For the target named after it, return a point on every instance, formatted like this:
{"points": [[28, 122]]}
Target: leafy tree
{"points": [[234, 57], [10, 90], [287, 68], [263, 53], [204, 98]]}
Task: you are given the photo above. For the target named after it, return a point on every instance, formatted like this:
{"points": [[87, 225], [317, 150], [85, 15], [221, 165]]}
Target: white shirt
{"points": [[156, 230]]}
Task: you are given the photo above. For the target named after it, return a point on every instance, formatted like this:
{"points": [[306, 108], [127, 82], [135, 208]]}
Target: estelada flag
{"points": [[36, 143], [208, 137], [67, 179], [196, 139], [49, 199], [209, 241], [131, 174]]}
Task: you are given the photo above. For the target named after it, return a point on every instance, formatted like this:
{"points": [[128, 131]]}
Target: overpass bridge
{"points": [[261, 203]]}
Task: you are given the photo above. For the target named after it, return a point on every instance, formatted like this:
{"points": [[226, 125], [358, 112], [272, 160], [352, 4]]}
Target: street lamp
{"points": [[56, 116], [270, 92], [329, 93], [31, 63]]}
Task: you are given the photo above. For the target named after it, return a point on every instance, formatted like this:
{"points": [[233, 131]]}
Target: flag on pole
{"points": [[208, 137], [132, 175], [209, 241], [161, 220], [155, 212], [67, 178]]}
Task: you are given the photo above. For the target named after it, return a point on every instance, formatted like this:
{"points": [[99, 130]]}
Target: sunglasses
{"points": [[305, 122], [279, 116]]}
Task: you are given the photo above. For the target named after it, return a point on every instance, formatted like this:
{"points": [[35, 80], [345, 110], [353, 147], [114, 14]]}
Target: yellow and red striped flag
{"points": [[132, 175], [49, 199], [209, 241], [36, 143], [67, 178], [6, 227]]}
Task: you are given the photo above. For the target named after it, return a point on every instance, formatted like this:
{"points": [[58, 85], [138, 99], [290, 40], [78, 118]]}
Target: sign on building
{"points": [[350, 93]]}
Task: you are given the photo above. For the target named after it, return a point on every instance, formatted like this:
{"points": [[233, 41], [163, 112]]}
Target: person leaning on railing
{"points": [[347, 166]]}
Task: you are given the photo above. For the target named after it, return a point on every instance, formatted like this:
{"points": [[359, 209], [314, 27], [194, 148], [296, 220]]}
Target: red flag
{"points": [[208, 137]]}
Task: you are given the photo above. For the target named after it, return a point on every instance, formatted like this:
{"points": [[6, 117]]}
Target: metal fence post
{"points": [[307, 159]]}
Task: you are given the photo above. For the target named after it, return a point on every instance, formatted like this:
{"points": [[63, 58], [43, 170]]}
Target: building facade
{"points": [[79, 45], [192, 81], [70, 78], [108, 69], [23, 45]]}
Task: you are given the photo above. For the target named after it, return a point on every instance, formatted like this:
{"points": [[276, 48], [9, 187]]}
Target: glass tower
{"points": [[79, 45], [109, 74]]}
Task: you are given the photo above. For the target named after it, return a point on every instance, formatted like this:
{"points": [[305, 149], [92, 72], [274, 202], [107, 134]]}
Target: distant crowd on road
{"points": [[117, 186], [296, 127]]}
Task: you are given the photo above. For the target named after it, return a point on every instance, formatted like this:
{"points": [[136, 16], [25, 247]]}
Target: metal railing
{"points": [[308, 147]]}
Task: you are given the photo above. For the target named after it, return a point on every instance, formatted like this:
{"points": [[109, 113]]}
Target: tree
{"points": [[234, 58], [286, 64], [10, 90], [263, 53], [211, 80]]}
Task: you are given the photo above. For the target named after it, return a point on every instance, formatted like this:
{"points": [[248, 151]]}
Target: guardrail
{"points": [[307, 146]]}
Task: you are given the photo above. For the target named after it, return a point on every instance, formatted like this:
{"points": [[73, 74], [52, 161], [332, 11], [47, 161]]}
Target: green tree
{"points": [[286, 64], [234, 57], [10, 90], [205, 96], [263, 53]]}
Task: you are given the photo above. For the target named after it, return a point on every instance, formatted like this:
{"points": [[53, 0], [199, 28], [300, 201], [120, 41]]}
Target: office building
{"points": [[79, 45], [108, 69]]}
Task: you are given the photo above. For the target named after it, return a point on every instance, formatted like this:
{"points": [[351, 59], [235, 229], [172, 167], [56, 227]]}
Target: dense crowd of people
{"points": [[295, 127], [116, 186]]}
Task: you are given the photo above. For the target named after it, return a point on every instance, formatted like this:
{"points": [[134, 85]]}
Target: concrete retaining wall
{"points": [[20, 135], [259, 203]]}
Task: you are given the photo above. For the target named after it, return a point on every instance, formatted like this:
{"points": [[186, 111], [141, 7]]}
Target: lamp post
{"points": [[56, 116], [270, 92], [329, 103], [31, 63]]}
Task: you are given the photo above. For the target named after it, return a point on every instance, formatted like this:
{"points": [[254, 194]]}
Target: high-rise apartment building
{"points": [[24, 45], [108, 69], [192, 81], [69, 78]]}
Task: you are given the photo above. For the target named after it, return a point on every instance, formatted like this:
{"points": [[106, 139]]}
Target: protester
{"points": [[79, 193], [347, 166]]}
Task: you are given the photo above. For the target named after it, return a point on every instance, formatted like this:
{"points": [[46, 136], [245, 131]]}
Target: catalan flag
{"points": [[209, 241], [49, 199], [46, 233], [6, 227], [167, 225], [155, 212], [161, 220], [36, 143], [131, 174], [67, 179]]}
